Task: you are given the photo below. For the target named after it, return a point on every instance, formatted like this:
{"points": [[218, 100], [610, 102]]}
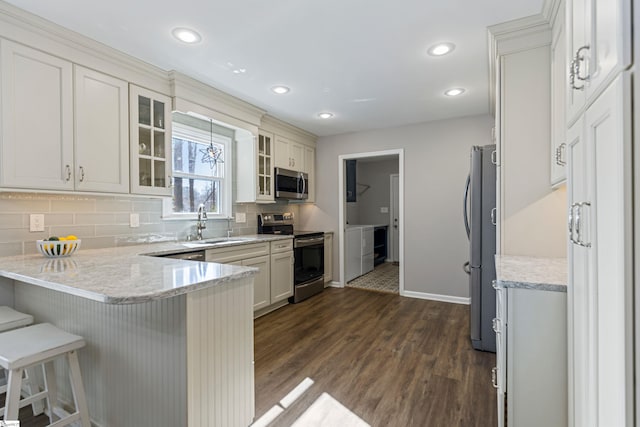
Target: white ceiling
{"points": [[363, 60]]}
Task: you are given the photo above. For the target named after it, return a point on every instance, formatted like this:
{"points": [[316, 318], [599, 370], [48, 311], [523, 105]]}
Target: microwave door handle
{"points": [[304, 185]]}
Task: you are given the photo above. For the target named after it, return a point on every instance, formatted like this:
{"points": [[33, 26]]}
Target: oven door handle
{"points": [[301, 243]]}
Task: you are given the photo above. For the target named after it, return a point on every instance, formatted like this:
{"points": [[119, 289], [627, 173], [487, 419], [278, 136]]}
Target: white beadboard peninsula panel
{"points": [[134, 364], [220, 355]]}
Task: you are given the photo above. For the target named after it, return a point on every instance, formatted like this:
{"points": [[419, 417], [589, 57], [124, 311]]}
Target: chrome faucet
{"points": [[202, 221]]}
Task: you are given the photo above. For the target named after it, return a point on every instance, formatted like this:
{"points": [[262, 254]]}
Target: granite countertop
{"points": [[128, 275], [546, 274]]}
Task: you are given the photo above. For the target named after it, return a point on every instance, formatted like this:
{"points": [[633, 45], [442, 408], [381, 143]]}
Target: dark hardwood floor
{"points": [[392, 361]]}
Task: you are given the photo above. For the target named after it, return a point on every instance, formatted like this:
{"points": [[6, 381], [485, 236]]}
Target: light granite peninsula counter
{"points": [[531, 328], [169, 342]]}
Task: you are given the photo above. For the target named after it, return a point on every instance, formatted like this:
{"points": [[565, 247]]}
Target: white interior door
{"points": [[394, 223]]}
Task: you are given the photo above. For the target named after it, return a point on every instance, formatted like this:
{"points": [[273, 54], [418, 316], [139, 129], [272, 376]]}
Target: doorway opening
{"points": [[371, 231]]}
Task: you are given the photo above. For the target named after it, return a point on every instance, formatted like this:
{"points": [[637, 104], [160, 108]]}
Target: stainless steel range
{"points": [[308, 249]]}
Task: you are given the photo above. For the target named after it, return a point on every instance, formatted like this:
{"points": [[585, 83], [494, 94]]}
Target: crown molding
{"points": [[277, 126]]}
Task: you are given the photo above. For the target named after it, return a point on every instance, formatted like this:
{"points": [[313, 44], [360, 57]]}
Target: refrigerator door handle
{"points": [[466, 201], [466, 267], [493, 216]]}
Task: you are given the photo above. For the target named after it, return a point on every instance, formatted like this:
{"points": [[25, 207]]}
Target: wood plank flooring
{"points": [[392, 361]]}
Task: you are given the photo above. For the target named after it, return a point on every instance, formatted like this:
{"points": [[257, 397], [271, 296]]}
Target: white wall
{"points": [[436, 166]]}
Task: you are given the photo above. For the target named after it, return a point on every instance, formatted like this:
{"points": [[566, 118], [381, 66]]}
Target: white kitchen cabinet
{"points": [[289, 154], [261, 281], [150, 147], [558, 103], [598, 48], [310, 169], [255, 168], [281, 276], [328, 258], [37, 119], [62, 132], [600, 273], [101, 132], [532, 347]]}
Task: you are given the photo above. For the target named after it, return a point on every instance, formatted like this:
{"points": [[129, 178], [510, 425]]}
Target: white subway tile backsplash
{"points": [[15, 220], [75, 206], [103, 221]]}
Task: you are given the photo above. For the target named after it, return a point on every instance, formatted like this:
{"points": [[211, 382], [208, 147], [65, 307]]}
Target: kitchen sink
{"points": [[210, 242]]}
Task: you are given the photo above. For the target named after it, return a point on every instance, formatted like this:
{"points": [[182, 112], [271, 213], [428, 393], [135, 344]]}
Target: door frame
{"points": [[342, 205], [390, 239]]}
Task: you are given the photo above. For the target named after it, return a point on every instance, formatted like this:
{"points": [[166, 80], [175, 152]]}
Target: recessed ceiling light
{"points": [[280, 90], [441, 49], [454, 92], [186, 35], [239, 71], [325, 115]]}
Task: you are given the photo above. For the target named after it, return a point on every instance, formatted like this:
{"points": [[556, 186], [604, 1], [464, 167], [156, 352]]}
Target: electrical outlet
{"points": [[241, 217], [134, 220], [36, 222], [384, 210]]}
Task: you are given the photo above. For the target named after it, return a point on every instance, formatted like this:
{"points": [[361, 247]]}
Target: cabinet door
{"points": [[499, 326], [578, 191], [309, 168], [558, 121], [328, 258], [281, 276], [607, 219], [576, 20], [150, 136], [37, 119], [265, 157], [261, 288], [101, 132], [297, 153], [609, 28], [282, 160]]}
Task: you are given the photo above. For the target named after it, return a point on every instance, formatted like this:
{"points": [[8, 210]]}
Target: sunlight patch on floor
{"points": [[325, 411]]}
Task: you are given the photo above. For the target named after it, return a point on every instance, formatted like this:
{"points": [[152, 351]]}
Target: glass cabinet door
{"points": [[265, 167], [150, 142]]}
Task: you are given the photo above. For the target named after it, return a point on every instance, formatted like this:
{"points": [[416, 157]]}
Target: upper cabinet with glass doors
{"points": [[150, 142], [265, 167]]}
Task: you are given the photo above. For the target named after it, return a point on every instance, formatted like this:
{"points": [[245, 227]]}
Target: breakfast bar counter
{"points": [[169, 341]]}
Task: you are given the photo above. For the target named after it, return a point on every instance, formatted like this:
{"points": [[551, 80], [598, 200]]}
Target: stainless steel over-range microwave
{"points": [[291, 185]]}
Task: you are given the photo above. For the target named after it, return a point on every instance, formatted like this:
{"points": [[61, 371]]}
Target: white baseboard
{"points": [[335, 284], [437, 297]]}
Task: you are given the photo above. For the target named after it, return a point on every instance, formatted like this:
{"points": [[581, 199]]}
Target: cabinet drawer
{"points": [[281, 246], [235, 253]]}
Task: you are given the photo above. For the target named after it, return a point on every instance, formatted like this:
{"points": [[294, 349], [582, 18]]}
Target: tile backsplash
{"points": [[103, 221]]}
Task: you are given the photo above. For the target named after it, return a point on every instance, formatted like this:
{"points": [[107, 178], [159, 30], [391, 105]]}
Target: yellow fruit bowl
{"points": [[57, 249]]}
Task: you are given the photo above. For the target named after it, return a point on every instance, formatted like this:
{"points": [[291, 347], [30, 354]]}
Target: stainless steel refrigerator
{"points": [[479, 220]]}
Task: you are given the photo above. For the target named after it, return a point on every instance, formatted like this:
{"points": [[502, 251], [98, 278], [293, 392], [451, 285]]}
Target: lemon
{"points": [[71, 237]]}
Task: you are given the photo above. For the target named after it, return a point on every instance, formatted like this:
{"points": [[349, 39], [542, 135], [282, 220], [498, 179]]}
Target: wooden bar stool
{"points": [[40, 345]]}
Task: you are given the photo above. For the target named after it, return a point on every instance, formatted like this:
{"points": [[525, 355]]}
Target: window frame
{"points": [[185, 132]]}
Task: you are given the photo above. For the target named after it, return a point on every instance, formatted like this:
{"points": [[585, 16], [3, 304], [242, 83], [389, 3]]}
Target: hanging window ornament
{"points": [[211, 154]]}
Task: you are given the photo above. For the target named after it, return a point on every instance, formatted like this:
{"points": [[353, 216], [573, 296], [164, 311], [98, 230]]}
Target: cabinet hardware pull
{"points": [[68, 169], [81, 174], [493, 216], [494, 285], [579, 240], [494, 377], [494, 325], [170, 182], [573, 205], [580, 57], [494, 157], [560, 157]]}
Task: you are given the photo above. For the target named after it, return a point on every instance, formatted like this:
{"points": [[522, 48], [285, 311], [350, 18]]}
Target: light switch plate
{"points": [[134, 220], [384, 210], [36, 222], [241, 217]]}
